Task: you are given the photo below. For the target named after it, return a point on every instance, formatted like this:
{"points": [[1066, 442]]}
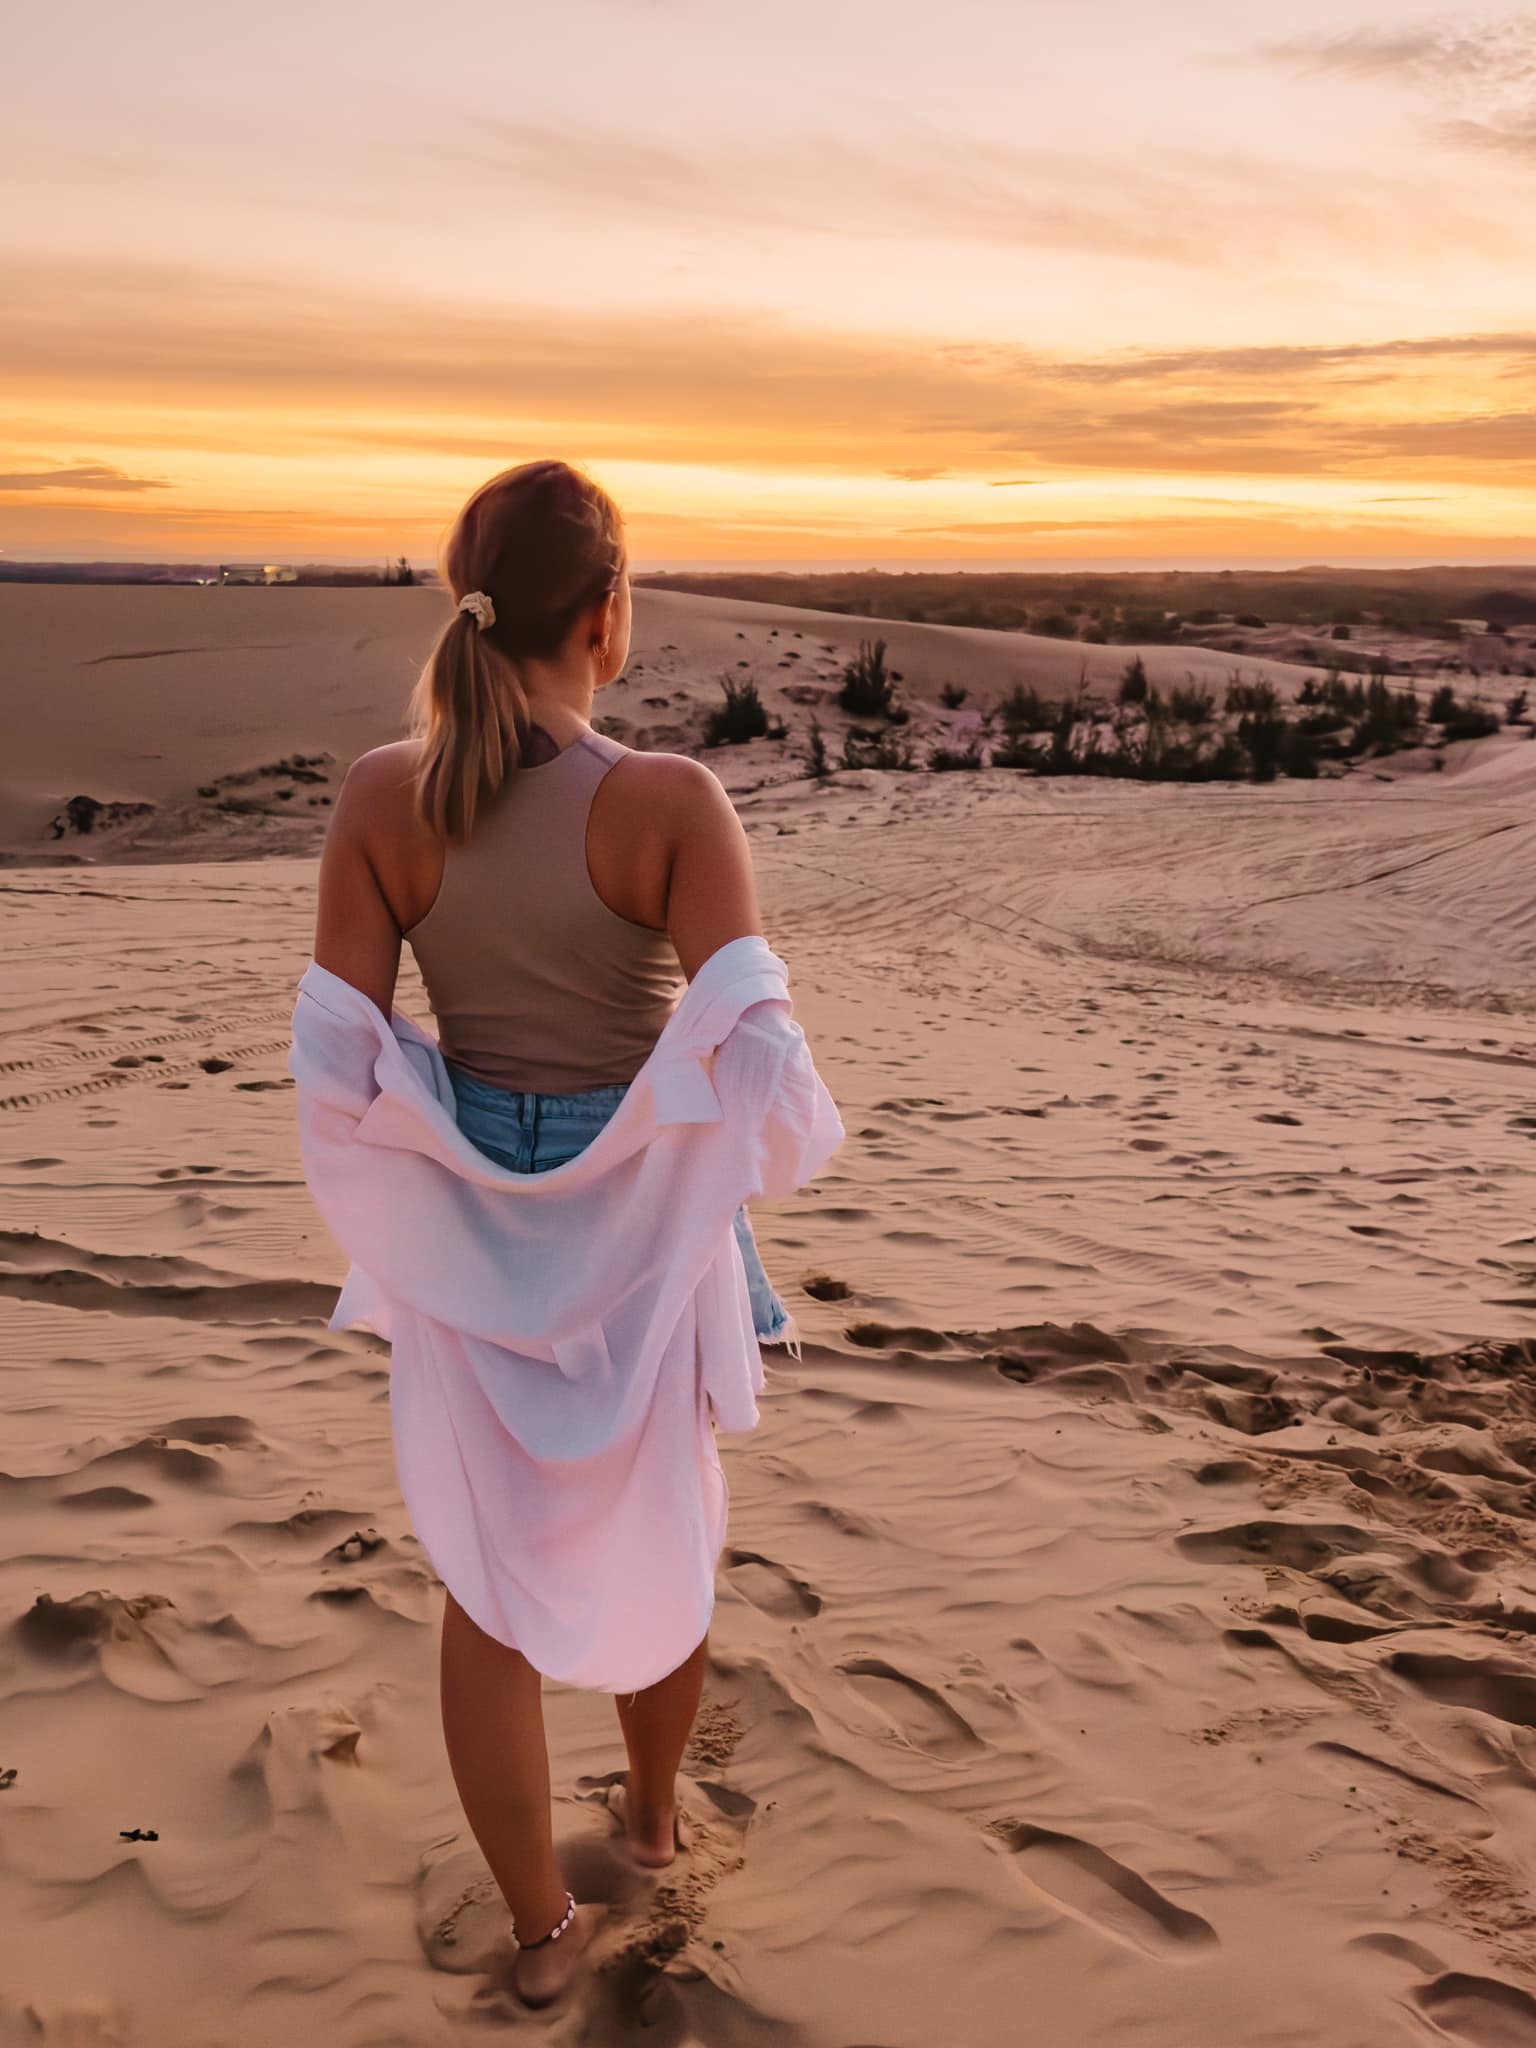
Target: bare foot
{"points": [[655, 1838], [540, 1975]]}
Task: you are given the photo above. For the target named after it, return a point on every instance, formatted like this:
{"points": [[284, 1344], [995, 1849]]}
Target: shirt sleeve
{"points": [[790, 1121]]}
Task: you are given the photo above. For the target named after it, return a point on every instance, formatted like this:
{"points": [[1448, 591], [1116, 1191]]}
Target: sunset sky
{"points": [[991, 282]]}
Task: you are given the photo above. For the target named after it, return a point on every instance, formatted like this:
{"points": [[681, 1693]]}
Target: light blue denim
{"points": [[529, 1133]]}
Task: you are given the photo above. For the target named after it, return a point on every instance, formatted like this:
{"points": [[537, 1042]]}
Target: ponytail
{"points": [[467, 709], [544, 543]]}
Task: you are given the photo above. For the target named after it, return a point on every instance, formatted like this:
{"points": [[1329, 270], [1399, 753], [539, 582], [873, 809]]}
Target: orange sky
{"points": [[1080, 281]]}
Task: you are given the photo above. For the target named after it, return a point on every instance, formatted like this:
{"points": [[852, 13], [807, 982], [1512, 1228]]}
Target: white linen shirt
{"points": [[566, 1342]]}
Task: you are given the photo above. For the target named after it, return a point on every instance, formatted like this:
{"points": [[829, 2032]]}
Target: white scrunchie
{"points": [[480, 605]]}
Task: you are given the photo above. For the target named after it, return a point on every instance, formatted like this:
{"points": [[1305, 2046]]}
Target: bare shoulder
{"points": [[686, 792], [711, 894], [377, 793]]}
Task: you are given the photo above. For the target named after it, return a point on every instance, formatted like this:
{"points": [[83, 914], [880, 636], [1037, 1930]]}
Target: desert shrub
{"points": [[1228, 759], [1056, 624], [863, 749], [1347, 699], [1275, 745], [1342, 633], [1017, 751], [1251, 620], [818, 766], [743, 715], [1151, 626], [1259, 696], [1025, 710], [1443, 705], [1190, 705], [1073, 746], [1471, 722], [953, 695], [1261, 735], [943, 757], [1133, 682], [867, 683], [1298, 757], [1389, 718], [1514, 709]]}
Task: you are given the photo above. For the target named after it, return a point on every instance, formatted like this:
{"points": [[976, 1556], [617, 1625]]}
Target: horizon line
{"points": [[1053, 565]]}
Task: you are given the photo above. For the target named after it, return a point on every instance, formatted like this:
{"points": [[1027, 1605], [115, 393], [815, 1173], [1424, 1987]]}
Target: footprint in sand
{"points": [[1301, 1546], [1357, 1769], [770, 1587], [922, 1716], [1479, 2011], [1491, 1685], [1092, 1887]]}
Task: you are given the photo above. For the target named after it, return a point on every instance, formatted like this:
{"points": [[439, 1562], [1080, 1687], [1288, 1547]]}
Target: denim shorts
{"points": [[529, 1133]]}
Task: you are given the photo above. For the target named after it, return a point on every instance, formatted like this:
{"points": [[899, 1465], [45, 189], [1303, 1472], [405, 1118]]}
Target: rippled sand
{"points": [[1125, 1632]]}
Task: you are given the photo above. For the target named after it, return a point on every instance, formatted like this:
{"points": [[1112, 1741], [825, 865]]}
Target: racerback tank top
{"points": [[535, 983]]}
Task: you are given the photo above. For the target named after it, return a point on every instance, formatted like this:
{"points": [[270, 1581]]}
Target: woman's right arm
{"points": [[711, 889]]}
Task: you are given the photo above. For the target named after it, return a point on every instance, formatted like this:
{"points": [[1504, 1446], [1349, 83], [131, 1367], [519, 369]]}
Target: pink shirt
{"points": [[566, 1342]]}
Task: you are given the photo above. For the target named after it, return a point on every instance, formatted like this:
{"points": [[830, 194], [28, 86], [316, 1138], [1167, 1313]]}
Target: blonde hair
{"points": [[545, 543]]}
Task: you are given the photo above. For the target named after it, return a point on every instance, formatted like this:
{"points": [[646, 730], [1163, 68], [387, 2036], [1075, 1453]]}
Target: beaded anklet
{"points": [[555, 1932]]}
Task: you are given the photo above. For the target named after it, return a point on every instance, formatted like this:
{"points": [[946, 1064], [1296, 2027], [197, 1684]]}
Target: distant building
{"points": [[256, 572]]}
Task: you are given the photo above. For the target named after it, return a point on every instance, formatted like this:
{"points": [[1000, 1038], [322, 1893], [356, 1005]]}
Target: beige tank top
{"points": [[535, 983]]}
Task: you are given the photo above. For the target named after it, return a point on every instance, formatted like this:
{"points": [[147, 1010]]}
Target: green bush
{"points": [[1388, 718], [1025, 710], [867, 683], [1471, 722], [1188, 705], [1018, 752], [875, 749], [943, 757], [1259, 696], [743, 715]]}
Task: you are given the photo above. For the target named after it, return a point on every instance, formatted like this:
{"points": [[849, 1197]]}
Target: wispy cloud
{"points": [[1443, 52], [328, 372], [1513, 133], [973, 191], [81, 476], [1483, 74]]}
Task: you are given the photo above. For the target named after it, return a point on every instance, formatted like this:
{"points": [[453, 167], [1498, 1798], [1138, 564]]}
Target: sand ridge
{"points": [[216, 723]]}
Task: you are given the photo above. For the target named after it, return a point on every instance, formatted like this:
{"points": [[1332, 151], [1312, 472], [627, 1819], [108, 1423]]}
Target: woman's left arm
{"points": [[356, 936]]}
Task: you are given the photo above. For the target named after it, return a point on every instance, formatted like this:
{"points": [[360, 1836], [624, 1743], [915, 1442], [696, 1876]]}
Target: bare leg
{"points": [[656, 1725], [493, 1725]]}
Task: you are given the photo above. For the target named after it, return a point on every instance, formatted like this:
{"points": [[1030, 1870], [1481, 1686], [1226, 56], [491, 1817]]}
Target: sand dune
{"points": [[1125, 1632], [199, 702]]}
